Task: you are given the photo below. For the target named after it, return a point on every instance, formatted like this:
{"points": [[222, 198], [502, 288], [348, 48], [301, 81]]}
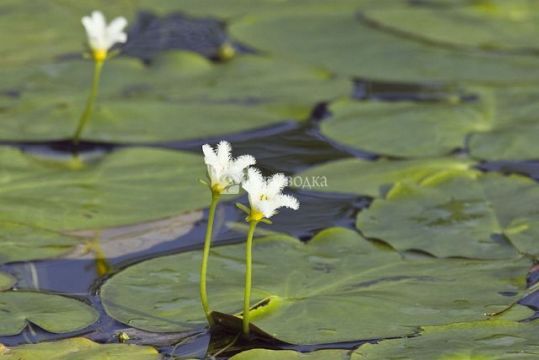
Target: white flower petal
{"points": [[100, 36], [224, 152], [288, 201], [238, 166], [276, 184], [254, 181], [210, 158]]}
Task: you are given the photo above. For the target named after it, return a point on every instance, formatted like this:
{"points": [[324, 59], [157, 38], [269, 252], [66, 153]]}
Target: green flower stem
{"points": [[88, 110], [205, 256], [248, 276]]}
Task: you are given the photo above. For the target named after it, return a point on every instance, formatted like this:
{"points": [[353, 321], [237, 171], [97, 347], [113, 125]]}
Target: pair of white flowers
{"points": [[265, 194], [102, 36]]}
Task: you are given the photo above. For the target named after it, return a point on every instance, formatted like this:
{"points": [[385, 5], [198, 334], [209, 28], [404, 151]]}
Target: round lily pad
{"points": [[403, 129], [264, 354], [342, 43], [79, 349], [494, 24], [124, 187], [483, 340], [53, 313], [6, 281], [464, 215], [374, 178], [338, 287]]}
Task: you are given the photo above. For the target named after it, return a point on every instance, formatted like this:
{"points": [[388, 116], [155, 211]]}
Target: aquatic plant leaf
{"points": [[265, 354], [403, 129], [184, 95], [374, 178], [492, 24], [471, 215], [514, 127], [53, 313], [79, 349], [6, 281], [481, 340], [25, 242], [338, 287], [344, 44], [124, 187]]}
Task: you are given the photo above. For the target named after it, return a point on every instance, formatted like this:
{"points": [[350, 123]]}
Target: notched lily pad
{"points": [[482, 340], [53, 313], [469, 215], [125, 187], [79, 349], [338, 287]]}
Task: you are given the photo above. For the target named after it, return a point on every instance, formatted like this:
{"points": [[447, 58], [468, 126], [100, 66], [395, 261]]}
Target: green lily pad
{"points": [[458, 216], [79, 349], [374, 178], [264, 354], [514, 129], [53, 313], [338, 287], [482, 340], [342, 43], [499, 24], [124, 187], [6, 281], [184, 95], [403, 129], [24, 243]]}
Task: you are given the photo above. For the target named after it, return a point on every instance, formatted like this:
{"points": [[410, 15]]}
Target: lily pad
{"points": [[343, 44], [79, 349], [125, 187], [466, 216], [482, 340], [498, 24], [338, 287], [6, 281], [403, 129], [374, 178], [184, 95], [514, 129], [24, 243], [53, 313], [264, 354]]}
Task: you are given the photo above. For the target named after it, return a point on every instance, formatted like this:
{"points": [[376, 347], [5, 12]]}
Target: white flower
{"points": [[265, 195], [224, 171], [101, 37]]}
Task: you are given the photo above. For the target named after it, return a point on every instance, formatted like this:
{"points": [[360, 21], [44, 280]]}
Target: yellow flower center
{"points": [[99, 54], [255, 215]]}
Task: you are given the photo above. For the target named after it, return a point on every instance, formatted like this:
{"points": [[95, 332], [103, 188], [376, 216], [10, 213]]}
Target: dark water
{"points": [[287, 147]]}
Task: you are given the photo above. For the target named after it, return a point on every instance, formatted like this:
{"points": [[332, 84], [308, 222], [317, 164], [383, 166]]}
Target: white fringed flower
{"points": [[265, 195], [101, 37], [223, 171]]}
